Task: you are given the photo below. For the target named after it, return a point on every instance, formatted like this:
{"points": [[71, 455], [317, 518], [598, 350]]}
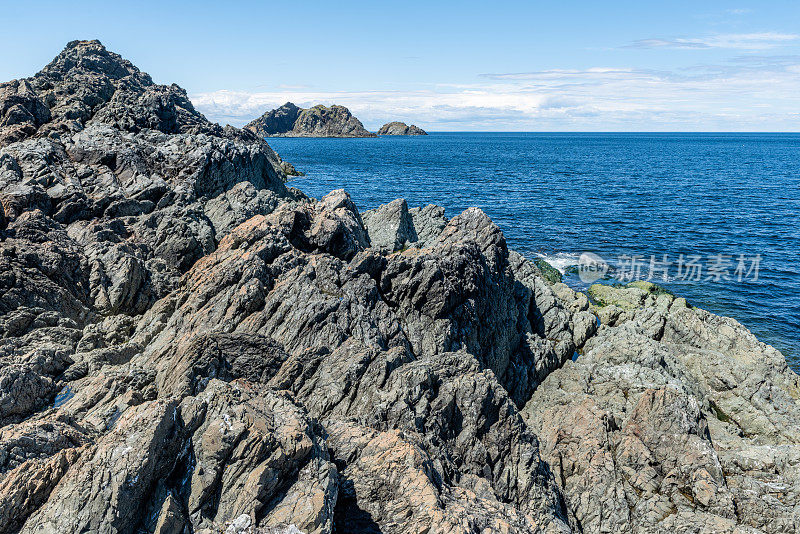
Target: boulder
{"points": [[390, 226]]}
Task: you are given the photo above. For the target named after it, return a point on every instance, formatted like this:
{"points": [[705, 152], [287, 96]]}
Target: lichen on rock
{"points": [[187, 345]]}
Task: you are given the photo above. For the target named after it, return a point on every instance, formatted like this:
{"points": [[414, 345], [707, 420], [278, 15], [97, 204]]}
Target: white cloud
{"points": [[740, 41], [748, 93]]}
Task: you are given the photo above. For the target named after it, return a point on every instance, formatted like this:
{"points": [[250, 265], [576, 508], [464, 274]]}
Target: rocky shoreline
{"points": [[189, 345]]}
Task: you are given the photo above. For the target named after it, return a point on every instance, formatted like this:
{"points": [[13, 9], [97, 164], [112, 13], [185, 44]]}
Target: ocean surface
{"points": [[714, 218]]}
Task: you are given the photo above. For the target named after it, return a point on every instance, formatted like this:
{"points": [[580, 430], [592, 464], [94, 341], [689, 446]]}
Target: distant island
{"points": [[400, 128], [319, 121]]}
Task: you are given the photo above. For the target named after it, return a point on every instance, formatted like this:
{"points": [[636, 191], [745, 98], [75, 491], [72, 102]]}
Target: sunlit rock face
{"points": [[189, 346], [318, 121], [400, 128]]}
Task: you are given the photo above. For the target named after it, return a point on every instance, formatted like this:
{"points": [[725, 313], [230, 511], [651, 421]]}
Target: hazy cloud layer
{"points": [[740, 41], [747, 93]]}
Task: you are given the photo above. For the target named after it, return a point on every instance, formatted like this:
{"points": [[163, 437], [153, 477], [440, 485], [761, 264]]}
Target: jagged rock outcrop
{"points": [[673, 418], [390, 226], [277, 121], [318, 121], [186, 345], [116, 176], [400, 128]]}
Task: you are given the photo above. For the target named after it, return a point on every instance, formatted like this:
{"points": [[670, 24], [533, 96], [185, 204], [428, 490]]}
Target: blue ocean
{"points": [[714, 218]]}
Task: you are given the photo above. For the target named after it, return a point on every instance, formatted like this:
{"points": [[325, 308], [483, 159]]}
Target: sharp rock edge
{"points": [[190, 346]]}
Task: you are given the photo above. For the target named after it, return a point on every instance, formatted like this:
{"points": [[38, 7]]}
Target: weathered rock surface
{"points": [[187, 346], [318, 121], [400, 128], [277, 121], [390, 226], [673, 418]]}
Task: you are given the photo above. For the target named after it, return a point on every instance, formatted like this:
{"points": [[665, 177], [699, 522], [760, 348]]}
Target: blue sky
{"points": [[502, 65]]}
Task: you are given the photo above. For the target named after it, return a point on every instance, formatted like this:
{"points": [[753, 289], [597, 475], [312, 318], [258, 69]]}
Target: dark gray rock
{"points": [[278, 121], [186, 345], [390, 226], [400, 128], [429, 222], [112, 135], [318, 121]]}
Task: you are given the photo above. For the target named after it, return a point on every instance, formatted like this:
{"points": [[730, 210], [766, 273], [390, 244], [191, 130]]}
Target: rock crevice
{"points": [[186, 345]]}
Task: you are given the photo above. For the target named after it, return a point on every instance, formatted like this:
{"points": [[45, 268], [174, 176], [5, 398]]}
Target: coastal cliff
{"points": [[188, 345], [400, 128], [318, 121]]}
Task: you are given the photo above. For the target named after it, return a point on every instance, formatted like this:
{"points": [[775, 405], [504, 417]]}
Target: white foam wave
{"points": [[561, 260]]}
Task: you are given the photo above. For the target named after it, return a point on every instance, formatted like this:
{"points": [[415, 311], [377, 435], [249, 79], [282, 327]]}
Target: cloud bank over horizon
{"points": [[453, 65], [749, 92]]}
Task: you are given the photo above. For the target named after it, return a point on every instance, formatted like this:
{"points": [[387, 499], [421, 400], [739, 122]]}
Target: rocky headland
{"points": [[400, 128], [190, 346], [318, 121]]}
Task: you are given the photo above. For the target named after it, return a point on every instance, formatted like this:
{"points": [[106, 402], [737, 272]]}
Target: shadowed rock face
{"points": [[400, 128], [319, 121], [186, 345], [278, 121]]}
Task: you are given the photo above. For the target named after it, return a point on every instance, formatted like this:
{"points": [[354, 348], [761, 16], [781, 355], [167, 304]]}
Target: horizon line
{"points": [[717, 132]]}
